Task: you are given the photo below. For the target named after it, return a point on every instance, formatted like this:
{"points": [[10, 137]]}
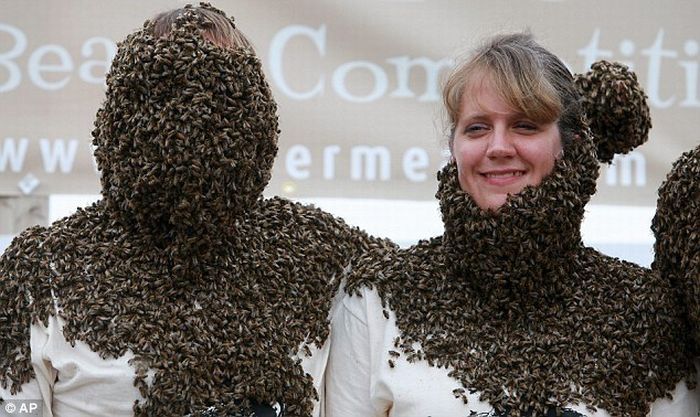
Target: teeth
{"points": [[505, 174]]}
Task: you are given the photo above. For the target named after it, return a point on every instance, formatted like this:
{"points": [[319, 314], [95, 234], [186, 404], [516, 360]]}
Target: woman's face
{"points": [[498, 150]]}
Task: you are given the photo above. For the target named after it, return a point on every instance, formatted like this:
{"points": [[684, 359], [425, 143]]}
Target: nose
{"points": [[500, 144]]}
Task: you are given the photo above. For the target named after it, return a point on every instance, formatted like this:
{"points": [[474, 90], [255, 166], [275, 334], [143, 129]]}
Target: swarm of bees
{"points": [[182, 263], [616, 108], [677, 230], [519, 311]]}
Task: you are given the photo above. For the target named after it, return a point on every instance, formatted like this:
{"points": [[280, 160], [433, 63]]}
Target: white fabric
{"points": [[361, 383], [76, 382]]}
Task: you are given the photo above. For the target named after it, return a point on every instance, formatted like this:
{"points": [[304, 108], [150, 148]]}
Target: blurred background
{"points": [[358, 87]]}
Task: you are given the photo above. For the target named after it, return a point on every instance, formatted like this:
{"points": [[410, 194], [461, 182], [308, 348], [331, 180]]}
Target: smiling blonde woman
{"points": [[507, 313]]}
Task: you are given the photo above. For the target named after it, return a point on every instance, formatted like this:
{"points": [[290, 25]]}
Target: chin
{"points": [[493, 203]]}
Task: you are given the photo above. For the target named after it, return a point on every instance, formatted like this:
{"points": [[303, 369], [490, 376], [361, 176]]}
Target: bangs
{"points": [[524, 88]]}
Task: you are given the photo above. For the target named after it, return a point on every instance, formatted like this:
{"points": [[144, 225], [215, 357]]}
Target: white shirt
{"points": [[76, 382], [360, 381]]}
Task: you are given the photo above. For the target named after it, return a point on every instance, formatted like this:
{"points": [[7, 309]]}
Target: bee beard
{"points": [[188, 219]]}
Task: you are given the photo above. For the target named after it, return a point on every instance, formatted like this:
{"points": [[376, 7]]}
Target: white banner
{"points": [[358, 85]]}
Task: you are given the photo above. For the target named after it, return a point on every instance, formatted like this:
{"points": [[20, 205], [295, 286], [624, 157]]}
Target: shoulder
{"points": [[313, 230], [86, 224], [613, 277], [28, 266], [638, 303], [608, 269], [282, 212], [23, 269], [23, 254], [390, 268]]}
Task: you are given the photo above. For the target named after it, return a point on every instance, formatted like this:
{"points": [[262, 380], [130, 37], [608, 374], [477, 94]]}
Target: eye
{"points": [[526, 126], [475, 129]]}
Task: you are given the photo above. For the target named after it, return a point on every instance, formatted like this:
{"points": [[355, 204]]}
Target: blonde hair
{"points": [[528, 78], [220, 30]]}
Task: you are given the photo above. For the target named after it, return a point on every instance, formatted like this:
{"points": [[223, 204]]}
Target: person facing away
{"points": [[182, 291], [508, 314]]}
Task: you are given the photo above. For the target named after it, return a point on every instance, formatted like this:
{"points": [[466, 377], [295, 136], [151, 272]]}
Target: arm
{"points": [[349, 370], [314, 365], [38, 391], [24, 372]]}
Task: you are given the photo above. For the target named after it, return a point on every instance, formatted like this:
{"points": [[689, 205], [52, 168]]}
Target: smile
{"points": [[505, 174], [503, 178]]}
